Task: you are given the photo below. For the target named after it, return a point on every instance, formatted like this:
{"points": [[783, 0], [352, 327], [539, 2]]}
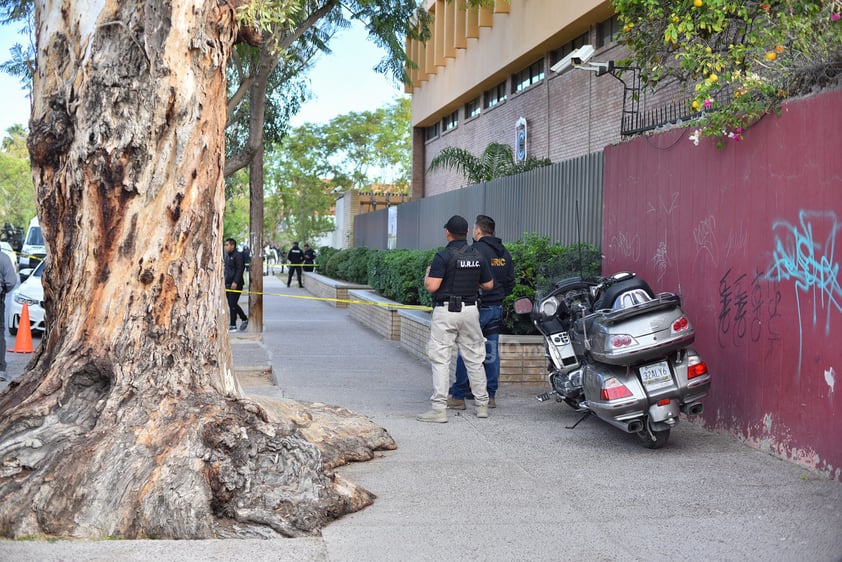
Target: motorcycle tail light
{"points": [[613, 389], [680, 325], [697, 370], [620, 341]]}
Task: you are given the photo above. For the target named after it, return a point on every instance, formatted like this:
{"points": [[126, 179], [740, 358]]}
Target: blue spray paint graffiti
{"points": [[802, 256]]}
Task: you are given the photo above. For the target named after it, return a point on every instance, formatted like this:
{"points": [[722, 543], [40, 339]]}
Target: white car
{"points": [[30, 292], [7, 249]]}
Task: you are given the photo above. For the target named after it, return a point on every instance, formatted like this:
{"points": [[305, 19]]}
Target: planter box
{"points": [[522, 358], [324, 287], [382, 319]]}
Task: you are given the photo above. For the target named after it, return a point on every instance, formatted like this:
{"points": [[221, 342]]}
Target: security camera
{"points": [[579, 56], [582, 55]]}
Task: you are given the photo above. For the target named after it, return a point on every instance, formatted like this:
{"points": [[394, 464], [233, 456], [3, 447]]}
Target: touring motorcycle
{"points": [[621, 352]]}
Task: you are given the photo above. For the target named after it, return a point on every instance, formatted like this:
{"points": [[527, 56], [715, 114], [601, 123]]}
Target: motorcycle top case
{"points": [[637, 328]]}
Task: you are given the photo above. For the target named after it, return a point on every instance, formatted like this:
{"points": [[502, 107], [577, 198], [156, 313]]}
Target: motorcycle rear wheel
{"points": [[656, 440]]}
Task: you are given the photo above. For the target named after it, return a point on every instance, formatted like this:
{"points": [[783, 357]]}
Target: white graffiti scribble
{"points": [[705, 236], [627, 246], [661, 260], [800, 255], [667, 209], [737, 241]]}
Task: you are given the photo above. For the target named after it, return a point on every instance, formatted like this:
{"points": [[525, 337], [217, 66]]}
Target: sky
{"points": [[343, 81]]}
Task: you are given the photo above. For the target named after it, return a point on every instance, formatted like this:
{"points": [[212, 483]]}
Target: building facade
{"points": [[485, 76]]}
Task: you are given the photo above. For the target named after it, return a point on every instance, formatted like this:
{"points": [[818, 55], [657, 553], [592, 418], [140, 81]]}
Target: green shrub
{"points": [[323, 255], [399, 274], [538, 265]]}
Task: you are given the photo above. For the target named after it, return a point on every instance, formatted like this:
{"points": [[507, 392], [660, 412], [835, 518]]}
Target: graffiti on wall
{"points": [[805, 252], [748, 311]]}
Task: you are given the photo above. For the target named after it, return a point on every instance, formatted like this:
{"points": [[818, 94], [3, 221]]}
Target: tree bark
{"points": [[129, 421]]}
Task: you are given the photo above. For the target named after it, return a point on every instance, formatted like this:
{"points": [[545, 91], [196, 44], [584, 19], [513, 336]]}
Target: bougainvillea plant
{"points": [[737, 59]]}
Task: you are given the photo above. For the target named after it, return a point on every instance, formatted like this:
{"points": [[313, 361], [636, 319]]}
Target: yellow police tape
{"points": [[383, 304]]}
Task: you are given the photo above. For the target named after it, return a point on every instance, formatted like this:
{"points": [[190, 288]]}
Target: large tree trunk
{"points": [[129, 421]]}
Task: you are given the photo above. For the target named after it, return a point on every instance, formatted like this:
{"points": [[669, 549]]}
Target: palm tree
{"points": [[496, 161]]}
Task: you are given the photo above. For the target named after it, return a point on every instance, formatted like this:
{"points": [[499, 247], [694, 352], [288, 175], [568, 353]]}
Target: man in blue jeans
{"points": [[490, 312]]}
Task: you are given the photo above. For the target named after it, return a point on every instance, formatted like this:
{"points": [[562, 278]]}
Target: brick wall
{"points": [[334, 292], [568, 115], [384, 320], [522, 359]]}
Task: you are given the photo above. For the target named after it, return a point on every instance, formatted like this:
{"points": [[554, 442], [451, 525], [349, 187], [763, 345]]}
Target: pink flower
{"points": [[707, 104], [835, 16]]}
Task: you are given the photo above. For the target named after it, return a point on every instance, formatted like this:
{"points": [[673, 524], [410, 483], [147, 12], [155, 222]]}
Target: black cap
{"points": [[457, 225]]}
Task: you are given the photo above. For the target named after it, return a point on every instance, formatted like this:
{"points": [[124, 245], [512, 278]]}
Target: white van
{"points": [[33, 245]]}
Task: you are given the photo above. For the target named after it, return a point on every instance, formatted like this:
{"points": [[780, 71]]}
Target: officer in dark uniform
{"points": [[490, 312], [454, 279], [295, 258]]}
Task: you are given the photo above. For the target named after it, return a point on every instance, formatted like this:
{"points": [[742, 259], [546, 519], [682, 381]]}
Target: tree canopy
{"points": [[306, 170], [17, 194]]}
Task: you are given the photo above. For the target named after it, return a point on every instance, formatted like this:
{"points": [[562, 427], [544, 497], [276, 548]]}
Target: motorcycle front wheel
{"points": [[653, 439]]}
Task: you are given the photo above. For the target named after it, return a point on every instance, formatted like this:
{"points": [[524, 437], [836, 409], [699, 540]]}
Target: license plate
{"points": [[656, 375]]}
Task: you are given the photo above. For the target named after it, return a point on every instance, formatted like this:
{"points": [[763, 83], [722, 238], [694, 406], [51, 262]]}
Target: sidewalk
{"points": [[517, 486]]}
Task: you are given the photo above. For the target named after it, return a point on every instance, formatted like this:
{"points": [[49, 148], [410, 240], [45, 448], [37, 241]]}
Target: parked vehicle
{"points": [[621, 352], [31, 293], [33, 246], [7, 249]]}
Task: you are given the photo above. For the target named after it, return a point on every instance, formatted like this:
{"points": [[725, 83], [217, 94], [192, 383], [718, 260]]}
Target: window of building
{"points": [[450, 121], [495, 95], [530, 75], [607, 31], [473, 108], [568, 48], [431, 132]]}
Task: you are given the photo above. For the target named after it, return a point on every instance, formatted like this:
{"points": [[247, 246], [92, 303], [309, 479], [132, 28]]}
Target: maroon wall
{"points": [[750, 236]]}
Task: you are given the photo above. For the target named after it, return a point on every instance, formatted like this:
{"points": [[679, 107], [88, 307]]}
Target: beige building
{"points": [[485, 76]]}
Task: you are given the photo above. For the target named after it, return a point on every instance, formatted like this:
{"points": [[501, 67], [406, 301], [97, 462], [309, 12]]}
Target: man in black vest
{"points": [[454, 278], [295, 258], [490, 312]]}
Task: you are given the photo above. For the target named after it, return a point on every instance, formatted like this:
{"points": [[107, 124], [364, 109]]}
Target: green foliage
{"points": [[349, 265], [399, 274], [496, 161], [323, 255], [17, 194], [371, 147], [737, 59], [235, 220], [538, 264]]}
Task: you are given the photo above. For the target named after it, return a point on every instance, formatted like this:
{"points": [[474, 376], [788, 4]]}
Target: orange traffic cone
{"points": [[23, 341]]}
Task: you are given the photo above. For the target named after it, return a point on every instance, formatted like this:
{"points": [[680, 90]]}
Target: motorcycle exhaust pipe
{"points": [[693, 409], [633, 426]]}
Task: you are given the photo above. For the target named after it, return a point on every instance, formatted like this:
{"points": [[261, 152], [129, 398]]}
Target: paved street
{"points": [[517, 486]]}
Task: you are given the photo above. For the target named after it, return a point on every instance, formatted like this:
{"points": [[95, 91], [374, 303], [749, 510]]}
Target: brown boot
{"points": [[492, 403], [455, 403]]}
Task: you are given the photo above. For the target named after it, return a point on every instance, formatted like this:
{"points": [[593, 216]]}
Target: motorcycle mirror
{"points": [[523, 305]]}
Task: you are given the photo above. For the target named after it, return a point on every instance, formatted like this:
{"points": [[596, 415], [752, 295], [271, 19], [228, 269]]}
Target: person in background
{"points": [[8, 280], [490, 312], [454, 278], [246, 263], [309, 258], [234, 268], [295, 258]]}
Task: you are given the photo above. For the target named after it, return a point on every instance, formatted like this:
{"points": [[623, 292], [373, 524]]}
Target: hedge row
{"points": [[399, 274]]}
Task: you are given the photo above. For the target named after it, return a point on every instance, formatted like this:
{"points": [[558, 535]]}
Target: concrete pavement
{"points": [[517, 486]]}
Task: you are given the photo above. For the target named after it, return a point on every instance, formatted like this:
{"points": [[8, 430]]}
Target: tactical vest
{"points": [[461, 277]]}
